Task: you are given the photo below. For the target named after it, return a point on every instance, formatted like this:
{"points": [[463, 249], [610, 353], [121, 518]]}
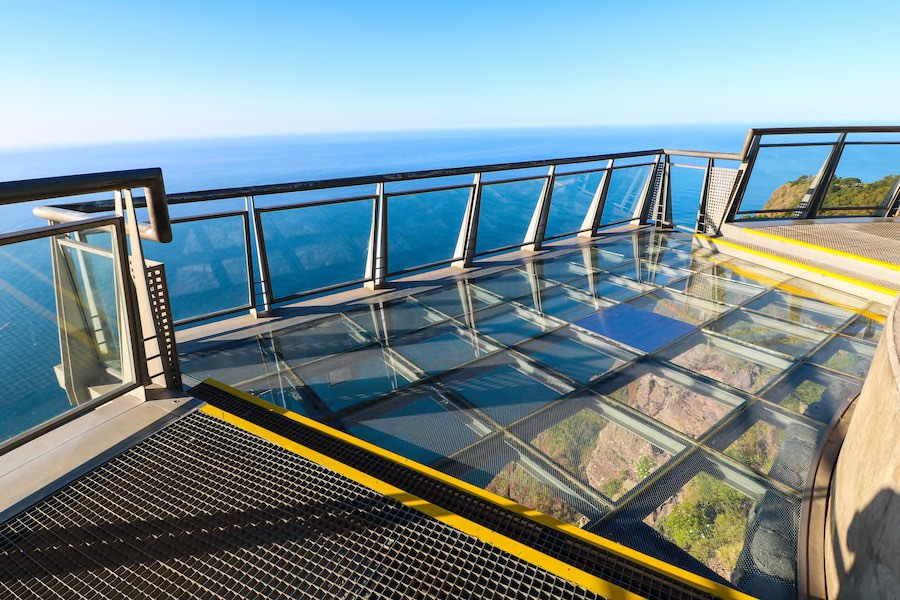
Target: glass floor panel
{"points": [[766, 332], [578, 356], [681, 307], [486, 379], [737, 365], [814, 392]]}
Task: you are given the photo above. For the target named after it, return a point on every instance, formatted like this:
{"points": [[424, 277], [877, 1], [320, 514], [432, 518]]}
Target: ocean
{"points": [[206, 268]]}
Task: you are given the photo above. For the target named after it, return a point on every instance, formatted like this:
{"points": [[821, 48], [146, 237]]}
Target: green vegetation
{"points": [[645, 465], [805, 394], [570, 442], [845, 361], [520, 486], [847, 192], [709, 522], [758, 447]]}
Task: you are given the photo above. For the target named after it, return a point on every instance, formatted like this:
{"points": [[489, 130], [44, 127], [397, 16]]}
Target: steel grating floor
{"points": [[875, 241], [204, 509]]}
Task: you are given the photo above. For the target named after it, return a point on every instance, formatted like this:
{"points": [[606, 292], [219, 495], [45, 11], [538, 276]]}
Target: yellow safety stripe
{"points": [[696, 581]]}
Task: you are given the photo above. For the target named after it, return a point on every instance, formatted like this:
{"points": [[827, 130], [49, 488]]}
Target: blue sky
{"points": [[93, 71]]}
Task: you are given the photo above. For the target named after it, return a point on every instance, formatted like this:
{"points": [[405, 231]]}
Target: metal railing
{"points": [[818, 155], [502, 207]]}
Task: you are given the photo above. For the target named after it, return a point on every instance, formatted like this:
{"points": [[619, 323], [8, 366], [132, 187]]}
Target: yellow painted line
{"points": [[526, 553], [787, 240], [696, 581], [787, 261]]}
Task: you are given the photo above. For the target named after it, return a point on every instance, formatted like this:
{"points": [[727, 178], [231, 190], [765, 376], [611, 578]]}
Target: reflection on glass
{"points": [[768, 333], [441, 348], [510, 284], [423, 228], [505, 391], [353, 377], [578, 356], [317, 246], [866, 327], [206, 266], [679, 306], [626, 187], [715, 289], [865, 177], [392, 319], [563, 303], [457, 299], [506, 210], [572, 195], [803, 310], [782, 177], [406, 424]]}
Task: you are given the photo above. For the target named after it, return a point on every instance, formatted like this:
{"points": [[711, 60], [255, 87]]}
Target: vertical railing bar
{"points": [[262, 257], [642, 210], [700, 221], [537, 227], [132, 308], [468, 231], [248, 251], [595, 211], [740, 186], [809, 207], [376, 263], [892, 201]]}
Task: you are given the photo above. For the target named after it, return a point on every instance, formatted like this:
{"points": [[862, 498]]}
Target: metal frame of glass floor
{"points": [[637, 386]]}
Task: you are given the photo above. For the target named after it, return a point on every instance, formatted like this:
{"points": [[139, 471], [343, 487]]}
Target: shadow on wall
{"points": [[873, 542]]}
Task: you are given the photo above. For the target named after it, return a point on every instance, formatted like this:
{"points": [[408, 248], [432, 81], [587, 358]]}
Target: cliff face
{"points": [[789, 195]]}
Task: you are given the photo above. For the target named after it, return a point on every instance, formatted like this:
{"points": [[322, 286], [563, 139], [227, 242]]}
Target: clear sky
{"points": [[93, 71]]}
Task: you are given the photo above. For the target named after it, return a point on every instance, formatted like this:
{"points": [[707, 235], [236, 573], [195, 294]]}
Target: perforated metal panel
{"points": [[721, 184], [878, 241], [203, 509], [162, 318]]}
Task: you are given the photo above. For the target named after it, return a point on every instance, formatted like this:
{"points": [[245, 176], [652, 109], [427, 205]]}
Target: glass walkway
{"points": [[638, 387]]}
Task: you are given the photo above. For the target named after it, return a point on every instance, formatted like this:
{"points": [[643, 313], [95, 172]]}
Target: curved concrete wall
{"points": [[862, 537]]}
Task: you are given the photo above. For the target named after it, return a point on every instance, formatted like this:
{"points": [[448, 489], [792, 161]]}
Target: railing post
{"points": [[377, 261], [663, 215], [468, 231], [809, 206], [891, 202], [263, 308], [537, 228], [158, 369], [700, 223], [651, 187], [743, 177], [595, 210]]}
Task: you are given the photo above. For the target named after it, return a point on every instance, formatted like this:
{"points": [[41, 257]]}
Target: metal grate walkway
{"points": [[204, 509]]}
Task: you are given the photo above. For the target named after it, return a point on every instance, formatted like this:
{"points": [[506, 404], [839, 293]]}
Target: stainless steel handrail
{"points": [[159, 230]]}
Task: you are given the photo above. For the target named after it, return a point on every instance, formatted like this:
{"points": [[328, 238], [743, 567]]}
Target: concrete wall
{"points": [[862, 538]]}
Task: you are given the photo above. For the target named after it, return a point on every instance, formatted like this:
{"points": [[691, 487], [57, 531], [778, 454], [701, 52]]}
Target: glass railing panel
{"points": [[317, 246], [572, 196], [206, 266], [423, 228], [626, 188], [63, 327], [506, 210], [864, 178], [780, 179], [686, 184]]}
